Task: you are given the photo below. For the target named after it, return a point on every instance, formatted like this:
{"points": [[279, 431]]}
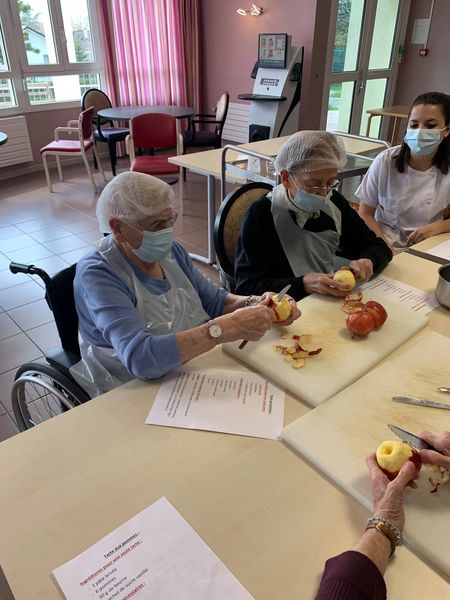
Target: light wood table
{"points": [[208, 163], [269, 516], [397, 112]]}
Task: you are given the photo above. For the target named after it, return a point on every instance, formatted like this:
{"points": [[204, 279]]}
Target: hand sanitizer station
{"points": [[275, 101]]}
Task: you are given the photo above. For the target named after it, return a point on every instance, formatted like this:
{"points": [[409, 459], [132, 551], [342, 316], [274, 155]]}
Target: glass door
{"points": [[363, 54]]}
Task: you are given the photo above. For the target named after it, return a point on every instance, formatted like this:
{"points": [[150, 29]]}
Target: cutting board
{"points": [[337, 436], [342, 361]]}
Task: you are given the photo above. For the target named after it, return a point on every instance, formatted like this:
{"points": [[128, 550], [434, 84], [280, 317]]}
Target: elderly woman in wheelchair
{"points": [[143, 307], [304, 229]]}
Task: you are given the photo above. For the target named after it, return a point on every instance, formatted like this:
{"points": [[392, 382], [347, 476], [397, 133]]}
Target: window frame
{"points": [[18, 63]]}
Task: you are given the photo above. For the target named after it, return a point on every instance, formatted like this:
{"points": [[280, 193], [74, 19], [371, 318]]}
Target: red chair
{"points": [[79, 147], [150, 132]]}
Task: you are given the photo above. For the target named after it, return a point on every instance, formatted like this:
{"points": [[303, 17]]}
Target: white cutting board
{"points": [[342, 361], [337, 436]]}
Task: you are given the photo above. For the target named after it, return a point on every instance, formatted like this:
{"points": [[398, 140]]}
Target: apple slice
{"points": [[392, 455]]}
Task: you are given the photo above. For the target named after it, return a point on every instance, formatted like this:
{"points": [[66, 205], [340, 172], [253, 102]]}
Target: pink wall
{"points": [[419, 74], [229, 44]]}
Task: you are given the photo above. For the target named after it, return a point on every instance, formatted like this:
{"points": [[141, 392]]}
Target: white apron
{"points": [[306, 251], [178, 309]]}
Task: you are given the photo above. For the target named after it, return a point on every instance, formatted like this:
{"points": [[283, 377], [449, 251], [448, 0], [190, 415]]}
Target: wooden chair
{"points": [[196, 138], [227, 227], [104, 130], [79, 147], [149, 133]]}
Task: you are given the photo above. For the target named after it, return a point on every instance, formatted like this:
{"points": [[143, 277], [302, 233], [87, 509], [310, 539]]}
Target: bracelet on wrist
{"points": [[388, 529]]}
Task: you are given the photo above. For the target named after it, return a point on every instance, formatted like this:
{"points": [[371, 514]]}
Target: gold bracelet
{"points": [[388, 529]]}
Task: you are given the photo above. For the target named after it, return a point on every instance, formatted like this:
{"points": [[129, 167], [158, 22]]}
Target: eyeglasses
{"points": [[312, 189], [160, 225]]}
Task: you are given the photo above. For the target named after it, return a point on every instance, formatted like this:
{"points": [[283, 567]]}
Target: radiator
{"points": [[236, 124], [18, 148]]}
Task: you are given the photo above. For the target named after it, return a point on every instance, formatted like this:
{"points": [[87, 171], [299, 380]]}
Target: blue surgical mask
{"points": [[423, 142], [155, 245], [309, 202]]}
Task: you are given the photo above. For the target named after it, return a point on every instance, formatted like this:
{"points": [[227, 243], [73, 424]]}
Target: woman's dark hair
{"points": [[442, 157]]}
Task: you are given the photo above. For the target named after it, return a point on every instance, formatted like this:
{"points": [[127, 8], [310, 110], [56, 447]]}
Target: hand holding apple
{"points": [[392, 455], [345, 276], [388, 495], [286, 310]]}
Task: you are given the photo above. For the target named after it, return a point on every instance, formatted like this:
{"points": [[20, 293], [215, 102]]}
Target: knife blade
{"points": [[412, 440], [421, 402], [279, 297]]}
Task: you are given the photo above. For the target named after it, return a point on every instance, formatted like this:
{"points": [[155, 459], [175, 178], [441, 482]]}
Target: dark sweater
{"points": [[351, 576], [261, 264]]}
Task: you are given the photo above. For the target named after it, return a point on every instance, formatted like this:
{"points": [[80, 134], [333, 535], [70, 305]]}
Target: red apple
{"points": [[377, 311], [392, 455], [360, 323]]}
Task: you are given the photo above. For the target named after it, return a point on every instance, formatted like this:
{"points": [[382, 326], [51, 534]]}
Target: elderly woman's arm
{"points": [[358, 241]]}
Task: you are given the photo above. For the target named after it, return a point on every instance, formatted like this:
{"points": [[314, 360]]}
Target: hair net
{"points": [[307, 151], [132, 196]]}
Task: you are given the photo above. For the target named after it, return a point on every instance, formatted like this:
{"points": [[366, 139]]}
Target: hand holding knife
{"points": [[412, 440], [279, 297]]}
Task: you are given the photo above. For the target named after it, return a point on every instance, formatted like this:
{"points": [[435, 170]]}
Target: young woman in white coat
{"points": [[405, 195]]}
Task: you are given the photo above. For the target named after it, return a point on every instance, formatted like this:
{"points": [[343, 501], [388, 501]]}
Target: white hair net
{"points": [[307, 151], [132, 196]]}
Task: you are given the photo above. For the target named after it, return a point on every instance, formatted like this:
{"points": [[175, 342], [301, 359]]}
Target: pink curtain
{"points": [[151, 51]]}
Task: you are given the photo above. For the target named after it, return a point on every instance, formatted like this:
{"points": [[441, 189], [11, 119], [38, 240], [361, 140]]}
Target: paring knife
{"points": [[421, 402], [279, 297], [412, 440]]}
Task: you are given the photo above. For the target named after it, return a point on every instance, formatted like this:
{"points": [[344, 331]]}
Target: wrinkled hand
{"points": [[249, 323], [441, 441], [295, 314], [424, 232], [322, 283], [362, 269], [388, 495]]}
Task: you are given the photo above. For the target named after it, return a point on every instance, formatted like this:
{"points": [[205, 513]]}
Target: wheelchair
{"points": [[42, 391]]}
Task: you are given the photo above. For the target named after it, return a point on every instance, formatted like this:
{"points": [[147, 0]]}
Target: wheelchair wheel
{"points": [[40, 392]]}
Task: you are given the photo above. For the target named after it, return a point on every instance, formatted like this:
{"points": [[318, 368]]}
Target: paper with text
{"points": [[396, 291], [154, 555], [236, 402], [442, 250]]}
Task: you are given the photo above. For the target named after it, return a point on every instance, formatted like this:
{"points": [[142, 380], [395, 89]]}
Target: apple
{"points": [[392, 455], [345, 276], [282, 308], [360, 322], [377, 311]]}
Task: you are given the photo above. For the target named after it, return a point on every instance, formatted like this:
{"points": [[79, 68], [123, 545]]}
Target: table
{"points": [[3, 138], [126, 113], [269, 516], [209, 163], [398, 112]]}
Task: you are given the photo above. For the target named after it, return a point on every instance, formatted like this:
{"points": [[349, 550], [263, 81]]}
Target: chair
{"points": [[79, 147], [150, 132], [195, 138], [227, 226], [42, 391], [109, 135]]}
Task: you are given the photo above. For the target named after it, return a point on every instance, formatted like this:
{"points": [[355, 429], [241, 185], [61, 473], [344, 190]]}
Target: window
{"points": [[54, 50]]}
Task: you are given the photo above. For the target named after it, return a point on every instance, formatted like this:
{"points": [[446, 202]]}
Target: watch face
{"points": [[215, 330]]}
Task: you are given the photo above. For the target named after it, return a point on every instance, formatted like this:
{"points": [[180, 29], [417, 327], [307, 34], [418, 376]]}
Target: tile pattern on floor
{"points": [[52, 231]]}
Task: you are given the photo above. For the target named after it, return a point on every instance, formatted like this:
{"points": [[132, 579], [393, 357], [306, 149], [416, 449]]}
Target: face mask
{"points": [[309, 202], [155, 245], [423, 141]]}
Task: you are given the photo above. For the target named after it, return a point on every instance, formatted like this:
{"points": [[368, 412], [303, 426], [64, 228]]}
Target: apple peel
{"points": [[297, 352], [440, 476]]}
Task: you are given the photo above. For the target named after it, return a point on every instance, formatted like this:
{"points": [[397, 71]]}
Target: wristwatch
{"points": [[215, 331]]}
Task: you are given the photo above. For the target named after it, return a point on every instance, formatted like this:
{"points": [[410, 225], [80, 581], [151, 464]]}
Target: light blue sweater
{"points": [[108, 316]]}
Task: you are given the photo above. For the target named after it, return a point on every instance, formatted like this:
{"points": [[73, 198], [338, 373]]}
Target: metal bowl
{"points": [[443, 286]]}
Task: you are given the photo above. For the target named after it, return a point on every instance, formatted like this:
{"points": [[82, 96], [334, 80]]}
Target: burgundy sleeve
{"points": [[351, 576]]}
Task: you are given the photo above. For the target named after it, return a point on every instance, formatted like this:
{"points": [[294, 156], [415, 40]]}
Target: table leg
{"points": [[211, 260], [369, 121], [395, 131]]}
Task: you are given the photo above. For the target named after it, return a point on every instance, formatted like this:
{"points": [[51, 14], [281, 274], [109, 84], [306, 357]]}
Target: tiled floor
{"points": [[52, 231]]}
